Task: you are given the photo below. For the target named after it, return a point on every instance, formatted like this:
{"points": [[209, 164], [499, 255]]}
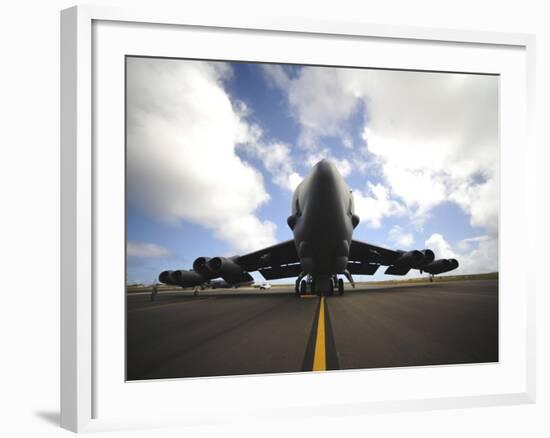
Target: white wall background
{"points": [[29, 219]]}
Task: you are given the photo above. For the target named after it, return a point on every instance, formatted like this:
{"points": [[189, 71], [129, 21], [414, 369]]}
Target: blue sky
{"points": [[215, 150]]}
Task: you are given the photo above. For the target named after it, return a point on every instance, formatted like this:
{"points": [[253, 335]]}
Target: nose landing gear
{"points": [[321, 286]]}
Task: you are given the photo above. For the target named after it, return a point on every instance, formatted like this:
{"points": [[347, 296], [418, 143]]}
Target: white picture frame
{"points": [[83, 370]]}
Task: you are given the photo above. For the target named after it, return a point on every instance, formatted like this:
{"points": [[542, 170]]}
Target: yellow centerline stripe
{"points": [[320, 356]]}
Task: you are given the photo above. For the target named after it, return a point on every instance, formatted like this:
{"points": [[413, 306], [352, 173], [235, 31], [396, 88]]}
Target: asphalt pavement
{"points": [[247, 331]]}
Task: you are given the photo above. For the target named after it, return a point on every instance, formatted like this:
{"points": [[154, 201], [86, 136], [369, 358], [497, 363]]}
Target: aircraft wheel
{"points": [[330, 288], [297, 288], [303, 287], [340, 287]]}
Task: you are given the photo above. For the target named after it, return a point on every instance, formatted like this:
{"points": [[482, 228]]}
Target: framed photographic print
{"points": [[291, 218]]}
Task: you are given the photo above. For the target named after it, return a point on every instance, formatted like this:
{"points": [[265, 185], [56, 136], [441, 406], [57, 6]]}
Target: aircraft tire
{"points": [[297, 288], [330, 288], [303, 287], [340, 287]]}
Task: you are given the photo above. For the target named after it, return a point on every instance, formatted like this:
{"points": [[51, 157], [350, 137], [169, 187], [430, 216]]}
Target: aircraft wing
{"points": [[364, 259], [362, 251], [277, 261], [281, 261]]}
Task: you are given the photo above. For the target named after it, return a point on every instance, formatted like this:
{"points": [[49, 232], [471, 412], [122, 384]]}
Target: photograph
{"points": [[288, 218]]}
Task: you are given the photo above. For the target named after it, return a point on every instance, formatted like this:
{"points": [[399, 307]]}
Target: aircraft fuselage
{"points": [[322, 221]]}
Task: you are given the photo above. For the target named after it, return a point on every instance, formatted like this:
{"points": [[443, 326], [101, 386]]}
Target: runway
{"points": [[234, 332]]}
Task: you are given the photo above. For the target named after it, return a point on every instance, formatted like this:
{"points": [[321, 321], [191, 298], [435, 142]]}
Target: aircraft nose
{"points": [[324, 171], [324, 164]]}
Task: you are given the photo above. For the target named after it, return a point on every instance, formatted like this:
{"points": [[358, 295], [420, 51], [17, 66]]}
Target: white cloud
{"points": [[277, 160], [436, 137], [276, 75], [181, 137], [481, 201], [142, 249], [398, 235], [466, 244], [262, 233], [476, 239], [480, 257], [376, 204], [433, 135], [347, 142], [315, 102], [440, 247]]}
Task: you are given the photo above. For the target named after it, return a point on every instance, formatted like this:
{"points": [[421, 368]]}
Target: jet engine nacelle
{"points": [[440, 266], [166, 278], [181, 278], [185, 278], [416, 259], [200, 265], [428, 257], [225, 267], [410, 258]]}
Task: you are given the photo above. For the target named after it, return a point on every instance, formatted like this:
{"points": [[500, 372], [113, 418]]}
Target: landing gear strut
{"points": [[350, 278], [340, 287], [297, 286]]}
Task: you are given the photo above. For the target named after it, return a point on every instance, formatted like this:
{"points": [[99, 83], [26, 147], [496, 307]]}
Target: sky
{"points": [[215, 150]]}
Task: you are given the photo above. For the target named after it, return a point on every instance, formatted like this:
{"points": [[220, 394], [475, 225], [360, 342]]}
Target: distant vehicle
{"points": [[322, 221], [222, 284], [265, 286]]}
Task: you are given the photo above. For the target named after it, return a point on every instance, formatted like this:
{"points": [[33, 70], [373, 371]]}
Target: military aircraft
{"points": [[322, 221]]}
